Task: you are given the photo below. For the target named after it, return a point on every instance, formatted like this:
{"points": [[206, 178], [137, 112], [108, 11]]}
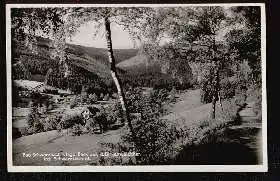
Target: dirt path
{"points": [[238, 145], [248, 133]]}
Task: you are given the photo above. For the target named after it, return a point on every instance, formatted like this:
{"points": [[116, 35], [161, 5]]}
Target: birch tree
{"points": [[193, 34], [60, 24]]}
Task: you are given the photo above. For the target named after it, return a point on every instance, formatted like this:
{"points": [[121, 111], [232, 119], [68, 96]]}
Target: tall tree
{"points": [[210, 21], [115, 76], [59, 24], [246, 41], [193, 33]]}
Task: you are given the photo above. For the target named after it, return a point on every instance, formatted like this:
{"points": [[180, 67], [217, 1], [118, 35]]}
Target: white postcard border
{"points": [[148, 168]]}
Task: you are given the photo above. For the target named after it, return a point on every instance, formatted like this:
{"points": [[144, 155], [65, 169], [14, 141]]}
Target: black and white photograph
{"points": [[143, 87]]}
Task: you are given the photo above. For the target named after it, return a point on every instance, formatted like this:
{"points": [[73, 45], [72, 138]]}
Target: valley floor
{"points": [[187, 110]]}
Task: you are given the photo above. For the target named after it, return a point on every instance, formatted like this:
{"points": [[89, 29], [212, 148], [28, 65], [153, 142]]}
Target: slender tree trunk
{"points": [[216, 82], [216, 91], [115, 76]]}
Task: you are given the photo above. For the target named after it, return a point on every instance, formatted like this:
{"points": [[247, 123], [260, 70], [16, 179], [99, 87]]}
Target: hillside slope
{"points": [[141, 65], [89, 58]]}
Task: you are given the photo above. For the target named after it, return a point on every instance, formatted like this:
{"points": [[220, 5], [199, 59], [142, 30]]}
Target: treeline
{"points": [[28, 65], [155, 80]]}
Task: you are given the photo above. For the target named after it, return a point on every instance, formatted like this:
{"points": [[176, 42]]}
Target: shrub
{"points": [[101, 96], [154, 136], [51, 122], [133, 98], [90, 125], [50, 107], [161, 95], [77, 130], [73, 102], [257, 108], [36, 128], [104, 117], [158, 143], [172, 95], [23, 131], [228, 87], [106, 97], [33, 116], [118, 148], [16, 133], [20, 71], [101, 119], [69, 120], [92, 98], [153, 140], [114, 113], [39, 99], [50, 91]]}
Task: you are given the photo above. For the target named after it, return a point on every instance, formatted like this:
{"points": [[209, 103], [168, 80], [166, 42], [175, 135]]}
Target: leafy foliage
{"points": [[153, 134], [51, 122], [247, 41], [69, 120], [33, 117], [92, 98], [77, 130]]}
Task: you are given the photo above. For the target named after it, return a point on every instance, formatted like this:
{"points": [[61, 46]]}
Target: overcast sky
{"points": [[120, 37]]}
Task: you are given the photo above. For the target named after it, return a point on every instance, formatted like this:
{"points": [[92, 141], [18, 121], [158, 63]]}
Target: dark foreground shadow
{"points": [[216, 154], [232, 149]]}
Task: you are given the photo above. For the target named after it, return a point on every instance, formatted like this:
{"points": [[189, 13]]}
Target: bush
{"points": [[114, 159], [50, 91], [16, 133], [133, 98], [24, 131], [50, 107], [172, 95], [101, 119], [161, 95], [90, 125], [39, 99], [77, 130], [92, 98], [154, 136], [33, 116], [69, 120], [20, 71], [114, 113], [51, 122], [228, 87], [101, 96], [73, 102], [257, 108], [153, 140], [36, 128], [106, 97]]}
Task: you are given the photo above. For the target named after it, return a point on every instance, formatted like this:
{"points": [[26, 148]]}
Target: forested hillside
{"points": [[86, 64]]}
